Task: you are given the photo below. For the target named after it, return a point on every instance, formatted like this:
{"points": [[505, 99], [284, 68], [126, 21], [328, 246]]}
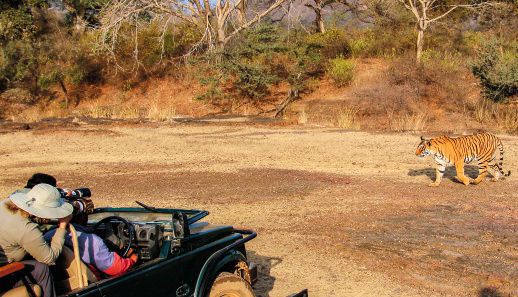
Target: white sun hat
{"points": [[43, 201]]}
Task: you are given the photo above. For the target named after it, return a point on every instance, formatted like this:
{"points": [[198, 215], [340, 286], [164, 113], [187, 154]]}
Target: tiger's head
{"points": [[424, 148]]}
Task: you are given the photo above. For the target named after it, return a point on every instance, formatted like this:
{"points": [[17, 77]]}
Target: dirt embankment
{"points": [[384, 95], [340, 213]]}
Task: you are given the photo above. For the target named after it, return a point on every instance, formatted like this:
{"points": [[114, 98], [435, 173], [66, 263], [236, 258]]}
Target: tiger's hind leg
{"points": [[459, 166], [496, 172], [482, 172]]}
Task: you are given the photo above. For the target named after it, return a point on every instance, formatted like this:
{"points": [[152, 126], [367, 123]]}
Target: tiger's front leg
{"points": [[439, 172], [459, 166]]}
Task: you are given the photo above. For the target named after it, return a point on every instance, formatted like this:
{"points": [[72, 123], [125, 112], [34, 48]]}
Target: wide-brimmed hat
{"points": [[43, 201]]}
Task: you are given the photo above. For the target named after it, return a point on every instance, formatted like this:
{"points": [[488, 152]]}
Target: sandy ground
{"points": [[340, 213]]}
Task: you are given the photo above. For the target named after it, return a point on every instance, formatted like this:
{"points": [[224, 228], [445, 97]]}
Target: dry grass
{"points": [[37, 113], [408, 122], [347, 118], [504, 117], [484, 111], [507, 119], [159, 113], [112, 112], [303, 117]]}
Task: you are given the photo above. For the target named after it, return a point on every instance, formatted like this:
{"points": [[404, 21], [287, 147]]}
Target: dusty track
{"points": [[341, 213]]}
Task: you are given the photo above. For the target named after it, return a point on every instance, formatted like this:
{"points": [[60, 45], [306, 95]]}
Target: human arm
{"points": [[33, 242], [120, 265]]}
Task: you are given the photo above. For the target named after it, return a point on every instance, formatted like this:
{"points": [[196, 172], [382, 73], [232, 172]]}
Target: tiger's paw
{"points": [[475, 181], [434, 184]]}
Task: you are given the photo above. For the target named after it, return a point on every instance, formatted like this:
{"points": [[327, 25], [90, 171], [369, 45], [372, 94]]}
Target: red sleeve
{"points": [[119, 265]]}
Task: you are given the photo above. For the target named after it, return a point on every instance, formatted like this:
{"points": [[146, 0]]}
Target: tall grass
{"points": [[303, 117], [408, 122], [159, 113], [347, 118], [499, 116]]}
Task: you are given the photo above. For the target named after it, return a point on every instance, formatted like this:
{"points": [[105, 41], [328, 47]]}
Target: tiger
{"points": [[462, 150]]}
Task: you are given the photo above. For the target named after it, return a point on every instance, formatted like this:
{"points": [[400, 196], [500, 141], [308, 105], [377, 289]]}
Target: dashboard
{"points": [[147, 237]]}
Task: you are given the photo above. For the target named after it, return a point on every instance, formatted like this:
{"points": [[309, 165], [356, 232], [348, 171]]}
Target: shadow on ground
{"points": [[490, 292], [265, 264], [450, 173]]}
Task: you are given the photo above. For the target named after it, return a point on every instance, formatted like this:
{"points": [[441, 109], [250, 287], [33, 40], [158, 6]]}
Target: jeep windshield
{"points": [[145, 215]]}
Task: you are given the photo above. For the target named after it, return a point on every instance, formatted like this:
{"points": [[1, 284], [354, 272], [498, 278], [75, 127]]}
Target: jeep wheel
{"points": [[230, 285]]}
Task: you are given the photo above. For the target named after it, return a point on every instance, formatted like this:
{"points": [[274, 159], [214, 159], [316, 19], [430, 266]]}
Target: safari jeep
{"points": [[179, 255]]}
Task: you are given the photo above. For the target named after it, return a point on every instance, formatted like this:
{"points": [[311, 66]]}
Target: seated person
{"points": [[96, 255], [20, 236]]}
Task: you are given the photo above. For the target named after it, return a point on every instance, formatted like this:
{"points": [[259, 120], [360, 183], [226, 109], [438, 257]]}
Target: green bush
{"points": [[261, 58], [19, 65], [16, 24], [341, 71], [497, 70], [253, 81], [362, 46], [331, 44]]}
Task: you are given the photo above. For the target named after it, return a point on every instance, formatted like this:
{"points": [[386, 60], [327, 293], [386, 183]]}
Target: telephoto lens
{"points": [[75, 194]]}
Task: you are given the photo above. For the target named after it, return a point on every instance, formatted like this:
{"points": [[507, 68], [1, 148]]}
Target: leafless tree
{"points": [[218, 21], [427, 12], [319, 6]]}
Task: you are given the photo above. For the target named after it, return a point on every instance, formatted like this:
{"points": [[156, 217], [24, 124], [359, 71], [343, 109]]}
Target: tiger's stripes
{"points": [[462, 150]]}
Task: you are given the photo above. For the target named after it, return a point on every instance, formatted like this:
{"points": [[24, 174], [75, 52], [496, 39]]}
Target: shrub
{"points": [[17, 95], [362, 45], [497, 70], [261, 58], [253, 81], [331, 44], [347, 118], [16, 24], [341, 71], [19, 65]]}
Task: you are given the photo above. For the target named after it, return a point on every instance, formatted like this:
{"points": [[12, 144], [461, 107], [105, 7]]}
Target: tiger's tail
{"points": [[501, 161]]}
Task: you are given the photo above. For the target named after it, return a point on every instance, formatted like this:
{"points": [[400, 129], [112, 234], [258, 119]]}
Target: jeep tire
{"points": [[230, 285]]}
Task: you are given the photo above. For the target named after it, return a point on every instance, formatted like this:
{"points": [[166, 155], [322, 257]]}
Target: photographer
{"points": [[19, 235], [101, 260]]}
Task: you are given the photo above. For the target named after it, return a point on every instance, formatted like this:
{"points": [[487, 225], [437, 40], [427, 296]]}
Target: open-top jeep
{"points": [[179, 255]]}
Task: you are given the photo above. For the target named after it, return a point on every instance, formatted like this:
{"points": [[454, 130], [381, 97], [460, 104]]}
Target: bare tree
{"points": [[218, 21], [427, 12], [318, 6]]}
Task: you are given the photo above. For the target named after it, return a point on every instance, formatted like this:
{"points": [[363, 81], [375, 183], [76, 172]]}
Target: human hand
{"points": [[133, 255], [63, 222]]}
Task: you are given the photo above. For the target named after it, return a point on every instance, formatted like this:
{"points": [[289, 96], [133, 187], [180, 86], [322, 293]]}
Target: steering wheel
{"points": [[127, 226]]}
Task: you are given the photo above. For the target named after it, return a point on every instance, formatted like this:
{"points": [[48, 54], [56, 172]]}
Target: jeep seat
{"points": [[17, 269], [66, 275]]}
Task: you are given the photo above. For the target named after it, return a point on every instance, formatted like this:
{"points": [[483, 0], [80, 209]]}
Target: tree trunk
{"points": [[65, 91], [221, 38], [420, 43], [241, 13], [319, 20]]}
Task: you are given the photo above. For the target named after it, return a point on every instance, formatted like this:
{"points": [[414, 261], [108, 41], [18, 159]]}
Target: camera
{"points": [[79, 200], [83, 206]]}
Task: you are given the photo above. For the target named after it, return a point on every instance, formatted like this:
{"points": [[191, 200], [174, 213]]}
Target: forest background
{"points": [[407, 65]]}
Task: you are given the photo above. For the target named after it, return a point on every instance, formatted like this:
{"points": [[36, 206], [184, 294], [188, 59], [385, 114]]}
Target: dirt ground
{"points": [[340, 213]]}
